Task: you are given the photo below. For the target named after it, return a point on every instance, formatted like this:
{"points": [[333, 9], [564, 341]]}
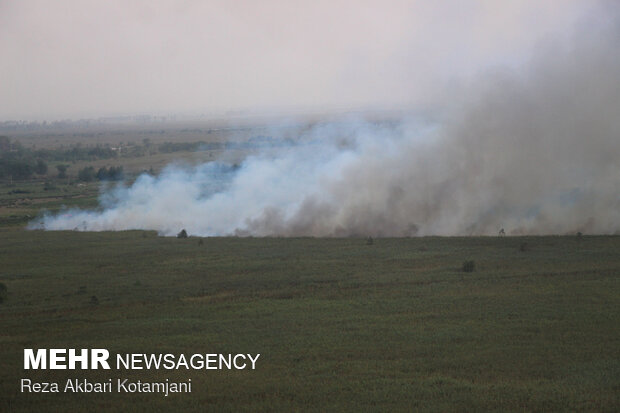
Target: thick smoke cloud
{"points": [[536, 152]]}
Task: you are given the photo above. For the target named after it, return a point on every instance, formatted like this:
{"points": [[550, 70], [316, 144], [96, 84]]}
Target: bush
{"points": [[469, 266], [369, 241], [41, 167], [182, 234], [3, 292], [62, 171]]}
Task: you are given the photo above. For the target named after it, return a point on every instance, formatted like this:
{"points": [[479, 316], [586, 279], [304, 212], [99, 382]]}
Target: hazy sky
{"points": [[84, 58]]}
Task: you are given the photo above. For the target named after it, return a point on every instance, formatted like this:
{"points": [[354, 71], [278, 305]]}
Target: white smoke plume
{"points": [[536, 152]]}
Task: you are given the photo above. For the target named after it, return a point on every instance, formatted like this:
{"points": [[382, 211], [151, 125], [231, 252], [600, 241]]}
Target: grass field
{"points": [[340, 325]]}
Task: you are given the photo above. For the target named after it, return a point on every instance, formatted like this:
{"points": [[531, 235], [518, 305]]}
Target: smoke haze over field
{"points": [[534, 152], [75, 58]]}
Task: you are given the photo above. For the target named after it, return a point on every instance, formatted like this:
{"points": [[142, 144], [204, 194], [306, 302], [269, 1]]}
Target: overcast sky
{"points": [[88, 58]]}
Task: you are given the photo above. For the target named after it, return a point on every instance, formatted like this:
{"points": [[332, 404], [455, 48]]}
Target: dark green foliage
{"points": [[41, 167], [182, 234], [5, 144], [469, 266], [114, 173], [62, 170], [102, 173], [37, 158], [3, 292], [17, 169], [87, 174], [15, 162]]}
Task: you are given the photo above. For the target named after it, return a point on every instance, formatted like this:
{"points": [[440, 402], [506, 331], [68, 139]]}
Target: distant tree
{"points": [[16, 169], [62, 170], [115, 173], [41, 167], [182, 234], [87, 174], [102, 173], [5, 144]]}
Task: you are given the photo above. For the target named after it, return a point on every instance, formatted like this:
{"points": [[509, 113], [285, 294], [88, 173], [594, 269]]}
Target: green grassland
{"points": [[340, 325]]}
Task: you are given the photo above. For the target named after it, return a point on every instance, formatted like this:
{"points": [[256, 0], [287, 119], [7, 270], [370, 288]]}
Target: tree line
{"points": [[20, 163]]}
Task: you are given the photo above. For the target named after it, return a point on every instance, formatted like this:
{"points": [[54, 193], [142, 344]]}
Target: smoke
{"points": [[536, 152]]}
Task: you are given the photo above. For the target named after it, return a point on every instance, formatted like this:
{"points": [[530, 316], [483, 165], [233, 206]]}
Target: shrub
{"points": [[62, 171], [182, 234], [3, 292], [469, 266], [369, 241], [41, 167]]}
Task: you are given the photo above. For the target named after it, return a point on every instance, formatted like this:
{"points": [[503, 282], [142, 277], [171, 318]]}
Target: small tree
{"points": [[102, 173], [62, 171], [115, 173], [41, 167], [182, 234], [86, 174]]}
